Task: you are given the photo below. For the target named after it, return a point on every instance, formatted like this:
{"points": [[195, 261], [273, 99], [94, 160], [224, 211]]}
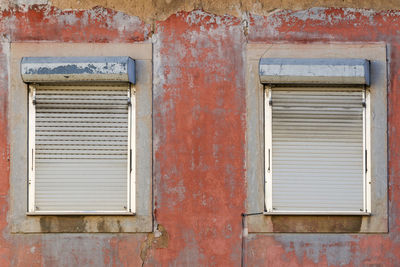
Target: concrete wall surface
{"points": [[199, 128]]}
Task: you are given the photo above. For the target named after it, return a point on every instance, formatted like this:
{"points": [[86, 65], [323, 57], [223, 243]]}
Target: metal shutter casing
{"points": [[317, 154], [81, 146], [322, 71]]}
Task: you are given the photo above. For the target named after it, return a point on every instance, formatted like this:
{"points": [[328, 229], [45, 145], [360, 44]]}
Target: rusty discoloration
{"points": [[158, 239], [316, 224]]}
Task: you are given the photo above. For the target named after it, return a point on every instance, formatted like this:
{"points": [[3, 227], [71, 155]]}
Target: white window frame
{"points": [[268, 171], [131, 162]]}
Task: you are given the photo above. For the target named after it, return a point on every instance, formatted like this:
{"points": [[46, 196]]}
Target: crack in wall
{"points": [[157, 239]]}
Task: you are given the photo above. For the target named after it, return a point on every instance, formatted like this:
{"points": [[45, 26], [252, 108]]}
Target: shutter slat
{"points": [[72, 112], [105, 146], [80, 119], [82, 124], [79, 97], [317, 150], [81, 148], [76, 140], [61, 116], [81, 129], [104, 107]]}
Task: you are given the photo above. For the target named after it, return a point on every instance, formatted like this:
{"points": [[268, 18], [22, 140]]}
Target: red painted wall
{"points": [[199, 137]]}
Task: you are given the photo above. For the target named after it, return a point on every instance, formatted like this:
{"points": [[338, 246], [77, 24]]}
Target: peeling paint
{"points": [[199, 130], [162, 9], [46, 23], [158, 239]]}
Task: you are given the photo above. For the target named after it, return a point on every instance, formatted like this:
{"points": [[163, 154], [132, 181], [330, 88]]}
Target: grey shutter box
{"points": [[317, 150], [77, 69], [81, 153], [314, 71]]}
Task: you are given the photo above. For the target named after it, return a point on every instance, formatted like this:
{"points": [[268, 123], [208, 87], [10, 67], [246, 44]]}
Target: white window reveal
{"points": [[317, 128], [81, 132]]}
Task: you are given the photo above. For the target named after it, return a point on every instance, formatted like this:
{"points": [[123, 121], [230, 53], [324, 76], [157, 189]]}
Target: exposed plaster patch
{"points": [[289, 24], [323, 17], [67, 19], [200, 17], [245, 23], [5, 50], [158, 239], [309, 14], [124, 22], [178, 190], [21, 4], [273, 23]]}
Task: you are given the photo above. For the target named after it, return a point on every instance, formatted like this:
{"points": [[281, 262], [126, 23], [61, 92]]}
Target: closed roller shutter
{"points": [[81, 148], [317, 150]]}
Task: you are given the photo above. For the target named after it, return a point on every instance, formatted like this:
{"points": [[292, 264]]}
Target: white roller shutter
{"points": [[317, 154], [80, 149]]}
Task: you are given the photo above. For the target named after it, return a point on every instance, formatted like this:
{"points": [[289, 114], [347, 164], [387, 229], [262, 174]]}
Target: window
{"points": [[86, 110], [316, 138], [80, 135]]}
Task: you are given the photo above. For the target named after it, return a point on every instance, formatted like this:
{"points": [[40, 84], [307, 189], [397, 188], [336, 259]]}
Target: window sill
{"points": [[83, 213], [300, 223], [343, 213]]}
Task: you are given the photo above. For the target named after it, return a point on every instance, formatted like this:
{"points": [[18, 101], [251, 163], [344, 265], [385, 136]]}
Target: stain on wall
{"points": [[199, 130]]}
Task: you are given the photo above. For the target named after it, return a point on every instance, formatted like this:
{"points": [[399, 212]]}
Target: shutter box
{"points": [[77, 69], [311, 71]]}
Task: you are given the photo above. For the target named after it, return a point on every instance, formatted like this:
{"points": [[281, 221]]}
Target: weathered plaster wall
{"points": [[199, 138], [156, 10], [199, 132], [337, 25]]}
